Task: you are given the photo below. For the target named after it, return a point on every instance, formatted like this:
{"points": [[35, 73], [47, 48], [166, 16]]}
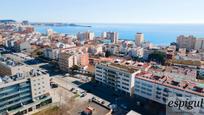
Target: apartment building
{"points": [[95, 49], [51, 53], [68, 59], [118, 76], [139, 39], [85, 36], [83, 59], [187, 42], [160, 88], [22, 46], [113, 36], [18, 44], [24, 92], [1, 39], [11, 67], [199, 44], [136, 52]]}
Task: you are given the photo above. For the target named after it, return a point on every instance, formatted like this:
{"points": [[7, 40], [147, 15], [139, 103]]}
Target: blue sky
{"points": [[104, 11]]}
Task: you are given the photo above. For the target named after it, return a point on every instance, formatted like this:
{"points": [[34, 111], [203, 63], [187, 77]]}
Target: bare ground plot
{"points": [[98, 109]]}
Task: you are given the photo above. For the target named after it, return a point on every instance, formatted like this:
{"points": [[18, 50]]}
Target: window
{"points": [[125, 88], [125, 84], [126, 75], [137, 82], [137, 90], [158, 97], [126, 80]]}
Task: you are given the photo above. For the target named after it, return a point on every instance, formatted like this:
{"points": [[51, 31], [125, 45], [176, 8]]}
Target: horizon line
{"points": [[106, 22]]}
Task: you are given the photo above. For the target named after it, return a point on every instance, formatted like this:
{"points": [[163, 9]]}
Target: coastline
{"points": [[158, 34]]}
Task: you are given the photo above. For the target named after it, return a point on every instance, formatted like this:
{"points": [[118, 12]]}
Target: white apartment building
{"points": [[50, 32], [199, 44], [95, 49], [51, 53], [117, 76], [139, 39], [103, 34], [24, 92], [160, 88], [136, 52], [113, 36], [85, 36]]}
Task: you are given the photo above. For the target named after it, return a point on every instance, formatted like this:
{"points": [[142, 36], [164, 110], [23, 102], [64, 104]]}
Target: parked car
{"points": [[124, 106], [72, 89], [54, 85]]}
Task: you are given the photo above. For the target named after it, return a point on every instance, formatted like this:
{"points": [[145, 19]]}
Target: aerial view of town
{"points": [[108, 57]]}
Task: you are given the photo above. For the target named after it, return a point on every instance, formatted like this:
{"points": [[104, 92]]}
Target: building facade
{"points": [[67, 60], [51, 53], [139, 39], [113, 36], [24, 92], [199, 44], [161, 88], [11, 67], [83, 59], [117, 76], [85, 36], [187, 42]]}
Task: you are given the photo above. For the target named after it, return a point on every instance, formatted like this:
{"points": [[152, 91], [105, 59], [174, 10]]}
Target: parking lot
{"points": [[72, 103]]}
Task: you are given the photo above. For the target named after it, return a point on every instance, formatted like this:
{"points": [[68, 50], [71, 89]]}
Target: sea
{"points": [[158, 34]]}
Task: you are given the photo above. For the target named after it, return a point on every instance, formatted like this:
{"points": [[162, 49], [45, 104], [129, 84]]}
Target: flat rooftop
{"points": [[173, 82], [121, 67], [10, 62], [20, 76]]}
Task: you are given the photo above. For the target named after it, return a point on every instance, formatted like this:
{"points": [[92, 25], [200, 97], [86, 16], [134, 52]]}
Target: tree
{"points": [[158, 57], [108, 53]]}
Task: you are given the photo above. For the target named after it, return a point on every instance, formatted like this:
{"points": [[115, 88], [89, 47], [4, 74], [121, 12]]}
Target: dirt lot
{"points": [[50, 111], [98, 110], [70, 104]]}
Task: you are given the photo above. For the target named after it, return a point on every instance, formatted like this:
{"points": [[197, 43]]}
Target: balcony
{"points": [[9, 90], [165, 95], [159, 93], [112, 76]]}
